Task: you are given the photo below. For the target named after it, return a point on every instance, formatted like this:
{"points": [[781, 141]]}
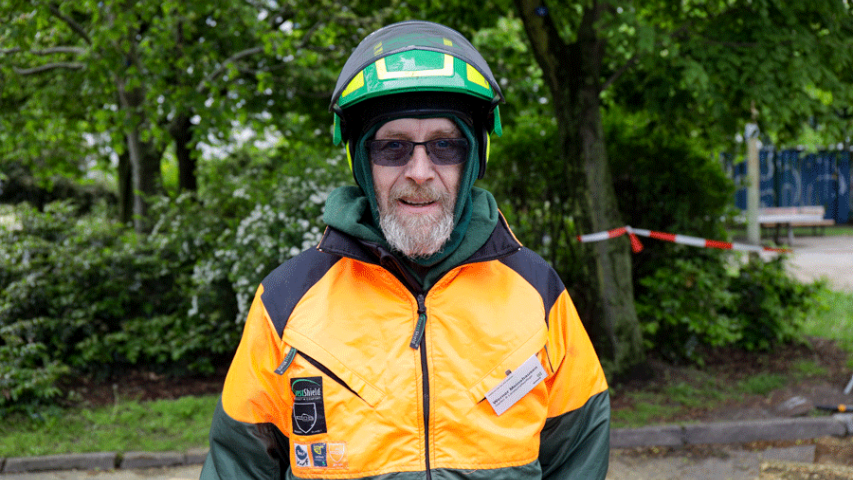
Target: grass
{"points": [[705, 391], [833, 320], [161, 425]]}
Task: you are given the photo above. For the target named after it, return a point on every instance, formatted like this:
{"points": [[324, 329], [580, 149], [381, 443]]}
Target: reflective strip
{"points": [[355, 84], [383, 74], [349, 156], [476, 77]]}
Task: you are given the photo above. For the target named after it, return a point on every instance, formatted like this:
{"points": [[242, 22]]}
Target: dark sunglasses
{"points": [[396, 153]]}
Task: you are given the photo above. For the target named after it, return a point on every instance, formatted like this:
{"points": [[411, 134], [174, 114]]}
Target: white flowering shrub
{"points": [[266, 237], [84, 294]]}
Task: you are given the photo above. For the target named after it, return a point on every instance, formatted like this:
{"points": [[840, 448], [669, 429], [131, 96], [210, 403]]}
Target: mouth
{"points": [[416, 202]]}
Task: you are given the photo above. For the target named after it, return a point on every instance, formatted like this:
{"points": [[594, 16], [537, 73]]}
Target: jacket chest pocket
{"points": [[521, 369], [318, 380], [306, 359]]}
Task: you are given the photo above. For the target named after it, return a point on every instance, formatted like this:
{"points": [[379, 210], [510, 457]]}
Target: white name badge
{"points": [[516, 385]]}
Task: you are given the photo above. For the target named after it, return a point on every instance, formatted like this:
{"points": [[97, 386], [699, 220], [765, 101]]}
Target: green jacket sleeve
{"points": [[245, 450], [576, 444]]}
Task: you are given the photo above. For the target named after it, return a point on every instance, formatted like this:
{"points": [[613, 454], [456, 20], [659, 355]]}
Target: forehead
{"points": [[419, 129]]}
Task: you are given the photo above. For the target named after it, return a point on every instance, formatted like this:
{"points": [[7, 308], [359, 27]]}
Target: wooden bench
{"points": [[807, 216]]}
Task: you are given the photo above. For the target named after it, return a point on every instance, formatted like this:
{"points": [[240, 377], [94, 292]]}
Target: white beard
{"points": [[416, 236]]}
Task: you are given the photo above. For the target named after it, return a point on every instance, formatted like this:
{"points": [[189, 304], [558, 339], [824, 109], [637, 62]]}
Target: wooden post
{"points": [[753, 192]]}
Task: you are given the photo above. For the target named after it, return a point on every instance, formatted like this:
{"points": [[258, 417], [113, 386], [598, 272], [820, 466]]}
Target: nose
{"points": [[420, 168]]}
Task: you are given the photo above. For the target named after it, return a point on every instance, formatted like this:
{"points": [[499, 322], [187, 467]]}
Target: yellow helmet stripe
{"points": [[355, 84], [476, 77]]}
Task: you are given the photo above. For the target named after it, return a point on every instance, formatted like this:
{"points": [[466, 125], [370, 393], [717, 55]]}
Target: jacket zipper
{"points": [[419, 341], [319, 366]]}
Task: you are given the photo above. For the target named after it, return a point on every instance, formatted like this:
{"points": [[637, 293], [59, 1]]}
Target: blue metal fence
{"points": [[791, 178]]}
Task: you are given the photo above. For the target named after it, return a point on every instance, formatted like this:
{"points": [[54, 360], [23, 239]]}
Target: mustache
{"points": [[420, 193]]}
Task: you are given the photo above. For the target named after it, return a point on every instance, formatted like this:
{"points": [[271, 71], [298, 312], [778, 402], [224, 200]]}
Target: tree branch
{"points": [[232, 59], [50, 66], [54, 50], [307, 37], [636, 58], [618, 73], [544, 39], [71, 23]]}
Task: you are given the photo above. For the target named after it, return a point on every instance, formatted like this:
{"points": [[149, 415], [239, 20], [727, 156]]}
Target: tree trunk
{"points": [[144, 158], [181, 131], [573, 72], [125, 188]]}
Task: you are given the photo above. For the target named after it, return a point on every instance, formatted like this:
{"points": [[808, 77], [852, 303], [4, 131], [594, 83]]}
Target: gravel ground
{"points": [[828, 257]]}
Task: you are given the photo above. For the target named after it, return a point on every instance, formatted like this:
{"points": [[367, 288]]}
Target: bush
{"points": [[701, 303], [68, 283], [83, 294]]}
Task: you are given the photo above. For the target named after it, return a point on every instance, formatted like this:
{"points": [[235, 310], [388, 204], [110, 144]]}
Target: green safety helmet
{"points": [[415, 68]]}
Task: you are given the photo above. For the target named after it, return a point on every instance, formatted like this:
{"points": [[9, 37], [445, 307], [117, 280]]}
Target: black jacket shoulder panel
{"points": [[538, 273], [285, 286], [501, 242]]}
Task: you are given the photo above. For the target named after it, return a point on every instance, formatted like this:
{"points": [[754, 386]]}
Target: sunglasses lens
{"points": [[396, 153], [390, 153], [448, 151]]}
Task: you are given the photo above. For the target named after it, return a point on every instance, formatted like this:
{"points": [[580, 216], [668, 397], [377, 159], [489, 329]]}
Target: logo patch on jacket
{"points": [[337, 454], [309, 416], [318, 453], [300, 451]]}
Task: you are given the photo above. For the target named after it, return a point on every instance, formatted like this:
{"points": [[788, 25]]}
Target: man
{"points": [[419, 339]]}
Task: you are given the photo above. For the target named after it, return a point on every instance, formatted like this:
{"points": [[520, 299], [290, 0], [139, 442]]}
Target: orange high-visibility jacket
{"points": [[347, 370]]}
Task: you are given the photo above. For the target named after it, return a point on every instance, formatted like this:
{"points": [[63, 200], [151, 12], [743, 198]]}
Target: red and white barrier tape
{"points": [[636, 246]]}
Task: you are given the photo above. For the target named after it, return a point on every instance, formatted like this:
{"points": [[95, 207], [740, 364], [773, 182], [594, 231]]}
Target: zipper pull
{"points": [[419, 328], [287, 361]]}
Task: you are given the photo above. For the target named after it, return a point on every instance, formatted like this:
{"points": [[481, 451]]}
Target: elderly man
{"points": [[419, 339]]}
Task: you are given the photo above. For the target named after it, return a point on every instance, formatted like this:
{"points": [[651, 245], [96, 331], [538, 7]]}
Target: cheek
{"points": [[383, 180], [451, 177]]}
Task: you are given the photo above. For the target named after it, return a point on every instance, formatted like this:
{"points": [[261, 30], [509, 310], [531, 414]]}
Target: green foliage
{"points": [[665, 182], [775, 303], [69, 283], [683, 306], [706, 68], [689, 298], [257, 217], [82, 294], [699, 303]]}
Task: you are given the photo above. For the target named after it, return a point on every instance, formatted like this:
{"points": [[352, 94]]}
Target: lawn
{"points": [[160, 425]]}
